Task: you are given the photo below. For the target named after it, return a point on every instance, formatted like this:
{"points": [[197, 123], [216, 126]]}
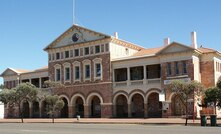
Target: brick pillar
{"points": [[6, 111], [145, 110], [106, 110], [30, 111], [40, 111], [129, 111], [73, 111], [86, 111], [70, 111], [114, 110]]}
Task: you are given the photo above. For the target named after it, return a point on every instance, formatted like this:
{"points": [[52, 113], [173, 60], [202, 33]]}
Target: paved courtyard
{"points": [[68, 128]]}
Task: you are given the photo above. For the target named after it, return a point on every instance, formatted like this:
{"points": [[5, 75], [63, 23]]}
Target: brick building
{"points": [[105, 76]]}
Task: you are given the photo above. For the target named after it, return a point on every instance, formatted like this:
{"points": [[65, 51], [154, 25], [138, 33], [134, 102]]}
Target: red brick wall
{"points": [[207, 73], [107, 77]]}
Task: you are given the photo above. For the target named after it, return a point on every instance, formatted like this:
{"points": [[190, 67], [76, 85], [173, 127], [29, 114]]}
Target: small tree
{"points": [[212, 97], [55, 104], [186, 91], [14, 97]]}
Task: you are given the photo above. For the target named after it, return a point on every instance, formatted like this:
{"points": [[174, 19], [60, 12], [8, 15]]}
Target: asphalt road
{"points": [[62, 128]]}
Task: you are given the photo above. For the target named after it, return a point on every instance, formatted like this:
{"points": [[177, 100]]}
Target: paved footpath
{"points": [[110, 121]]}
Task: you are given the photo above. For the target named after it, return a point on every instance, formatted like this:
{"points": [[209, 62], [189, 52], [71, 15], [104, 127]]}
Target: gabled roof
{"points": [[206, 50], [21, 71], [15, 71], [148, 51], [174, 44], [71, 29]]}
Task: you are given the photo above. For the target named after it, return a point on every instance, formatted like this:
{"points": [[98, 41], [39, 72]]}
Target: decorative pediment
{"points": [[75, 35], [175, 47]]}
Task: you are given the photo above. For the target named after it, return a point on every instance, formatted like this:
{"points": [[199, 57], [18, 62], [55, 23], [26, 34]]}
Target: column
{"points": [[106, 110], [40, 82], [30, 111], [144, 75], [145, 110], [129, 111], [128, 76], [86, 111], [30, 81], [70, 111]]}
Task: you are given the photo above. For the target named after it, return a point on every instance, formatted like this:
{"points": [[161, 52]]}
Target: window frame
{"points": [[78, 52], [97, 49], [76, 64], [95, 62]]}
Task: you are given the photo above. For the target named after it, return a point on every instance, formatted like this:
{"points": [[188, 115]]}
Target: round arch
{"points": [[152, 91], [90, 97], [118, 94], [136, 92], [171, 96], [74, 98], [64, 96]]}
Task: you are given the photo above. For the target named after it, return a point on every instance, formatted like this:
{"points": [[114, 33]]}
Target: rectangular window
{"points": [[67, 73], [87, 71], [97, 49], [76, 52], [77, 72], [184, 67], [49, 57], [57, 56], [58, 74], [86, 51], [98, 69], [169, 69], [177, 68], [66, 54]]}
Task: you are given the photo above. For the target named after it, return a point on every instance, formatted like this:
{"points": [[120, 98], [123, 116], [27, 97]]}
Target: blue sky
{"points": [[27, 26]]}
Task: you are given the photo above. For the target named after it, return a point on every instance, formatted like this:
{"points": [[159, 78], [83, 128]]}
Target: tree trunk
{"points": [[20, 113], [186, 113]]}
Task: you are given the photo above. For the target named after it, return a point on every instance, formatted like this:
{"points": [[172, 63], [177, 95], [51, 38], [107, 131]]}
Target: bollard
{"points": [[78, 117]]}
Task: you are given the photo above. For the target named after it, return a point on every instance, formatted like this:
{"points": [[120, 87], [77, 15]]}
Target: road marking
{"points": [[34, 131]]}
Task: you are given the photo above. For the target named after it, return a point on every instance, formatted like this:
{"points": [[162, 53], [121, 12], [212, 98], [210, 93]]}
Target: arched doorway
{"points": [[95, 107], [44, 108], [35, 109], [121, 106], [25, 109], [64, 110], [79, 107], [137, 106], [154, 106], [178, 108]]}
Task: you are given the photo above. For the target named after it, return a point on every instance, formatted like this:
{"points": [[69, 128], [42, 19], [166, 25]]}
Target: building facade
{"points": [[105, 76]]}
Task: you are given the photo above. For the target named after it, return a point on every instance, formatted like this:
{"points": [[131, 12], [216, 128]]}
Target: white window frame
{"points": [[77, 64], [95, 49], [64, 56], [98, 61], [86, 62], [57, 66], [67, 65], [84, 51]]}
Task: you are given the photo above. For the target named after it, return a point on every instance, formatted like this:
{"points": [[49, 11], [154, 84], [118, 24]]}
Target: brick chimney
{"points": [[194, 40]]}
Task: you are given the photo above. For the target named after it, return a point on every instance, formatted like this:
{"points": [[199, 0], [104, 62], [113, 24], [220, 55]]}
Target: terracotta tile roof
{"points": [[206, 50], [42, 68], [148, 51], [21, 70]]}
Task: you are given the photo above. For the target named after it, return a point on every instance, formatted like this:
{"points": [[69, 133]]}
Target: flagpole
{"points": [[73, 12]]}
